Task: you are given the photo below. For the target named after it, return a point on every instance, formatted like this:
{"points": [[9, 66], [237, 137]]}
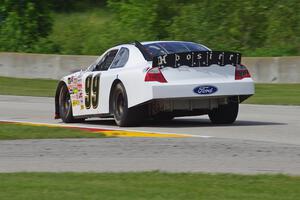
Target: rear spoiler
{"points": [[192, 58], [143, 50], [197, 59]]}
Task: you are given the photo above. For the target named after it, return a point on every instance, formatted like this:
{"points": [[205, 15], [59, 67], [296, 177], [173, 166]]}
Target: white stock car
{"points": [[156, 80]]}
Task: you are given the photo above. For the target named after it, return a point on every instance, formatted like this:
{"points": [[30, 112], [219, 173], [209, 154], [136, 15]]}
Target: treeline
{"points": [[74, 5], [23, 24], [253, 27]]}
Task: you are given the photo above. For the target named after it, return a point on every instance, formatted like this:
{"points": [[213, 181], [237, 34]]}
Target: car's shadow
{"points": [[184, 123]]}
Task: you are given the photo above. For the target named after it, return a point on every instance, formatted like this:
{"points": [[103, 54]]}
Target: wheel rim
{"points": [[65, 102], [120, 104]]}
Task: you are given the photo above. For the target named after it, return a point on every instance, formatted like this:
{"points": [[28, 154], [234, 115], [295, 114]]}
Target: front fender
{"points": [[58, 88]]}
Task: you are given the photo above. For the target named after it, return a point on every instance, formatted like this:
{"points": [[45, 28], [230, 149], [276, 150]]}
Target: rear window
{"points": [[161, 48]]}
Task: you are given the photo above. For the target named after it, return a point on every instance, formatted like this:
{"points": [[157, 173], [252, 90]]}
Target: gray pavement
{"points": [[144, 154], [265, 139]]}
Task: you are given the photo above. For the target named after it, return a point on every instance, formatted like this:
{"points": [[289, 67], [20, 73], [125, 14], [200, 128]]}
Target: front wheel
{"points": [[123, 115], [65, 106], [224, 114]]}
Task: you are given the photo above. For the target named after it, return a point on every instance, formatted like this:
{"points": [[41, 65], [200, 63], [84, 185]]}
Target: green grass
{"points": [[147, 185], [27, 87], [16, 131], [277, 94]]}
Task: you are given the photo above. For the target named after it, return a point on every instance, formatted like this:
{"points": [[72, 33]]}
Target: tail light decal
{"points": [[241, 72], [154, 74]]}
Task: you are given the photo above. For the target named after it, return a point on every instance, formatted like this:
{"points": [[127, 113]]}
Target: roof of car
{"points": [[172, 41], [151, 42]]}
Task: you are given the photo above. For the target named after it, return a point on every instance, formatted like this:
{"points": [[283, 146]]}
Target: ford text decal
{"points": [[205, 89]]}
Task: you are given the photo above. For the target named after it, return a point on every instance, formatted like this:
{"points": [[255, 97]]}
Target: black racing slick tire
{"points": [[224, 114], [123, 115], [65, 106]]}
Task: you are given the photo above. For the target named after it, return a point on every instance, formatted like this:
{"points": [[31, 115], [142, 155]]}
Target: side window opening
{"points": [[106, 61], [120, 59]]}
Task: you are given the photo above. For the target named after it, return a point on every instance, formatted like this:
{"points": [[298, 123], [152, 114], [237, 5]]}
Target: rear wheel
{"points": [[224, 114], [65, 106], [123, 115]]}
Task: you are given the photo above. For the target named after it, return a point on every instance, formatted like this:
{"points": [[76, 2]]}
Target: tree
{"points": [[142, 20], [253, 27], [71, 5], [23, 23]]}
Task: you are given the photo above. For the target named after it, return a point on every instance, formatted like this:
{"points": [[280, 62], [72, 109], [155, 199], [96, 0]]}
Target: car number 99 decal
{"points": [[92, 91]]}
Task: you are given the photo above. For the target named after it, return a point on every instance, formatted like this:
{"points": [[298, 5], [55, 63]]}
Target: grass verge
{"points": [[27, 87], [276, 94], [147, 185], [16, 131]]}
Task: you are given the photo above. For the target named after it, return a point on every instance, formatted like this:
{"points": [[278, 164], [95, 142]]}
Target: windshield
{"points": [[161, 48]]}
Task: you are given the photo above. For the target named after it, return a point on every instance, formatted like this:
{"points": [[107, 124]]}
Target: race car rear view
{"points": [[156, 80]]}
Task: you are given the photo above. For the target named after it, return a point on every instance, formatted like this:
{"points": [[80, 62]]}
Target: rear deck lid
{"points": [[194, 66]]}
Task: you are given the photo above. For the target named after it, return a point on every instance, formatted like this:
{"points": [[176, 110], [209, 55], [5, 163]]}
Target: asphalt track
{"points": [[265, 139]]}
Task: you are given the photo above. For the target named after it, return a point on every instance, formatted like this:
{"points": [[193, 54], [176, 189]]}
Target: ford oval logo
{"points": [[205, 89]]}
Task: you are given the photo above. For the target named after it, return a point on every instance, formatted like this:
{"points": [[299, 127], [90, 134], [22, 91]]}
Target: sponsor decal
{"points": [[205, 89], [75, 90], [75, 103], [75, 80], [197, 59]]}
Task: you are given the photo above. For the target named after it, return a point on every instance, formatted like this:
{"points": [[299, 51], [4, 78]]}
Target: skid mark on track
{"points": [[107, 131]]}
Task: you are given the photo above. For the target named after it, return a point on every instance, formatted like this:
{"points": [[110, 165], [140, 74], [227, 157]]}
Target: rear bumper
{"points": [[171, 90]]}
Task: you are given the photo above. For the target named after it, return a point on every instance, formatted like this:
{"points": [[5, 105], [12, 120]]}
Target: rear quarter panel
{"points": [[132, 76]]}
